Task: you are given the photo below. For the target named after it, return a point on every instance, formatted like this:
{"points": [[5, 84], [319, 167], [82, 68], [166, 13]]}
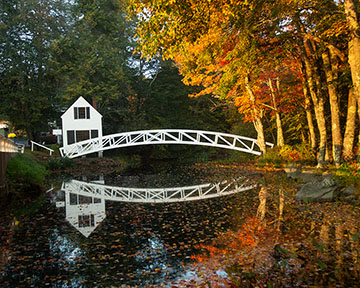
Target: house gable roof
{"points": [[86, 231], [81, 102]]}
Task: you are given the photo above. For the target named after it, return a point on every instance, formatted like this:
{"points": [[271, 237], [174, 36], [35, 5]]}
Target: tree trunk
{"points": [[331, 74], [314, 84], [308, 110], [309, 117], [349, 136], [279, 130], [257, 115], [259, 127], [318, 102], [280, 133], [354, 47]]}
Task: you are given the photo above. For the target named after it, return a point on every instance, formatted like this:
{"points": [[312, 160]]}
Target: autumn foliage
{"points": [[272, 59]]}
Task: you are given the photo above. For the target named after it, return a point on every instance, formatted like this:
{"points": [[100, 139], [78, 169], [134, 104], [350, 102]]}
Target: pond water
{"points": [[75, 240]]}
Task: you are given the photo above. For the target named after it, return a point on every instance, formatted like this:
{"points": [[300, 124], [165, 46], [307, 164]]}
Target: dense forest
{"points": [[52, 52], [291, 68]]}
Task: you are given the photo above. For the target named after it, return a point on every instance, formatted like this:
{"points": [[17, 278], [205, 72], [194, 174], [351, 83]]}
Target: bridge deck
{"points": [[169, 136]]}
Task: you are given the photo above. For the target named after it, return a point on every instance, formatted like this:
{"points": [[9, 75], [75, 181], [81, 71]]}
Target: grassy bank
{"points": [[302, 156], [26, 178]]}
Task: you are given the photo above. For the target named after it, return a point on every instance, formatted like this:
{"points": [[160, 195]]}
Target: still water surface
{"points": [[93, 242], [79, 241]]}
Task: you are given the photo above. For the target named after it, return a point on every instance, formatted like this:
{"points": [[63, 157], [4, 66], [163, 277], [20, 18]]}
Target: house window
{"points": [[81, 112], [86, 220], [76, 199], [70, 137], [94, 134], [73, 199], [82, 135], [85, 199]]}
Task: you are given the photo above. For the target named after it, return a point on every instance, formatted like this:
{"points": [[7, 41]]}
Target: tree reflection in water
{"points": [[288, 243]]}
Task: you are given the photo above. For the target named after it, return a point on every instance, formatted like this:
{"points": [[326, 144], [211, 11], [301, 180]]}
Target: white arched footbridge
{"points": [[168, 136], [156, 195]]}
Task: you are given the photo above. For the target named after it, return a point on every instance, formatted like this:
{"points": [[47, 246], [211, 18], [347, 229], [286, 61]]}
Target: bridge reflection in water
{"points": [[84, 202]]}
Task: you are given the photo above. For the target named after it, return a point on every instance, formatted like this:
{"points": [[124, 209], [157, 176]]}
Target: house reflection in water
{"points": [[83, 212]]}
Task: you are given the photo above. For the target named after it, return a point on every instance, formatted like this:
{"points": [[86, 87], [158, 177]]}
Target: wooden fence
{"points": [[8, 149]]}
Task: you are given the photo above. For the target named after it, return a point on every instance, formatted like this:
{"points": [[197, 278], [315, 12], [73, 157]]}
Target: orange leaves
{"points": [[247, 236], [223, 62], [216, 45]]}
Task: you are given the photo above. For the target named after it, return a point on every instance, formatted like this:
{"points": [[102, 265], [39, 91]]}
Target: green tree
{"points": [[27, 29], [167, 104], [92, 60]]}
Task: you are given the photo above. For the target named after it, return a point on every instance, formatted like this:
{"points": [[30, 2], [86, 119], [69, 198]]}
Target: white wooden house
{"points": [[80, 122], [84, 213]]}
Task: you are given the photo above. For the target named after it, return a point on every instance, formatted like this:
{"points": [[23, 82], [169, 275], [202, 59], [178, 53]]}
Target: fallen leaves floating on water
{"points": [[168, 244]]}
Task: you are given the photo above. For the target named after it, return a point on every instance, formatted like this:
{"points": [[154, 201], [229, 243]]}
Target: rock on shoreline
{"points": [[319, 188]]}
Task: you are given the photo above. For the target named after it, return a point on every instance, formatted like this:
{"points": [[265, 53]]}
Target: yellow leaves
{"points": [[212, 47], [227, 10], [339, 27], [165, 25]]}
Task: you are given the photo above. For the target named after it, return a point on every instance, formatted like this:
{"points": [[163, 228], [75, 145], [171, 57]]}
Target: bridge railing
{"points": [[6, 145], [157, 195], [169, 136], [33, 143]]}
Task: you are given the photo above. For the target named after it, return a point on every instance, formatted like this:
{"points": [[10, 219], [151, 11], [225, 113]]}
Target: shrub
{"points": [[302, 153], [56, 149], [306, 153], [287, 154], [60, 163], [236, 156], [349, 174], [271, 158]]}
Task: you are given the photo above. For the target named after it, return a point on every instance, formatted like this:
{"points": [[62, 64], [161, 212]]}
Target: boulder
{"points": [[322, 189], [350, 191], [350, 195]]}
